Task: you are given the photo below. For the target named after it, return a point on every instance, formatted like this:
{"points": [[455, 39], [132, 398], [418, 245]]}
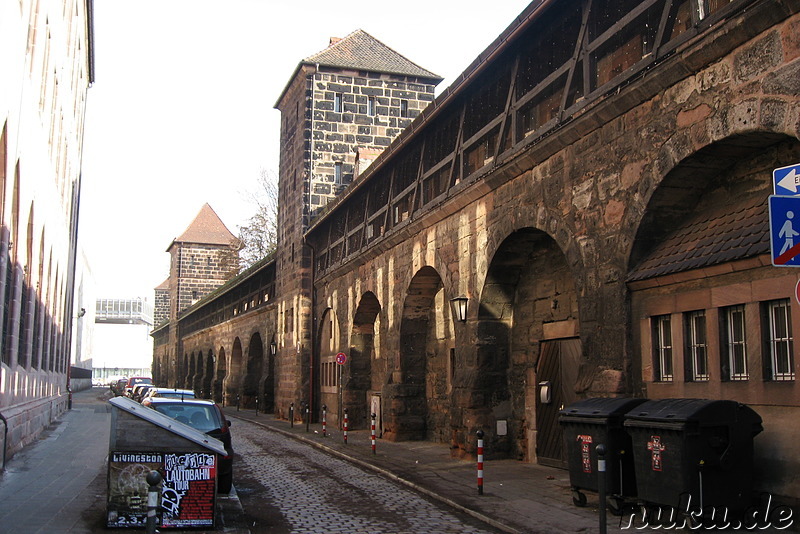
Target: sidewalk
{"points": [[59, 483], [517, 497]]}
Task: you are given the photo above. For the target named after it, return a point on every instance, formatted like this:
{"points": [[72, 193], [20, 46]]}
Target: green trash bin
{"points": [[586, 424], [694, 453]]}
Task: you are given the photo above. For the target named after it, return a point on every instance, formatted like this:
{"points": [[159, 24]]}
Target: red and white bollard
{"points": [[372, 433], [344, 433], [324, 420], [480, 462]]}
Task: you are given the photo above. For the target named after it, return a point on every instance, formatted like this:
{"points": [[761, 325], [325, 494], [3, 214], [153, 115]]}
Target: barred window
{"points": [[734, 345], [697, 346], [662, 348], [781, 346]]}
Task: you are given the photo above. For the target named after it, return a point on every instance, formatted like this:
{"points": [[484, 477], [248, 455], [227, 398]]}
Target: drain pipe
{"points": [[5, 438]]}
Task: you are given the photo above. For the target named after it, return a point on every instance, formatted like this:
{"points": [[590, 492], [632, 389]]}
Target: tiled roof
{"points": [[163, 286], [361, 51], [713, 236], [206, 228]]}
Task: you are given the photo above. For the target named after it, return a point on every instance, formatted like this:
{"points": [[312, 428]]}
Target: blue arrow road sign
{"points": [[786, 180], [784, 230]]}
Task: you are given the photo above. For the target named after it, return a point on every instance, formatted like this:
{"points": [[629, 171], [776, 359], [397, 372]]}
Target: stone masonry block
{"points": [[757, 58]]}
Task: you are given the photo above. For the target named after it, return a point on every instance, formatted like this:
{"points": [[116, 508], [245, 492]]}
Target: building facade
{"points": [[123, 346], [594, 188], [46, 65]]}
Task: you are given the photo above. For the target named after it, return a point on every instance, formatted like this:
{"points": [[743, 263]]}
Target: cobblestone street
{"points": [[288, 486]]}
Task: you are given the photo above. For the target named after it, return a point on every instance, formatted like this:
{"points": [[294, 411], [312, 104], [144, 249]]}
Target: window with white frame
{"points": [[697, 346], [662, 348], [781, 346], [734, 345]]}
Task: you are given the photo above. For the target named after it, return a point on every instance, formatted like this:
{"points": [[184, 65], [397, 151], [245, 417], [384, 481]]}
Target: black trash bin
{"points": [[694, 453], [588, 423]]}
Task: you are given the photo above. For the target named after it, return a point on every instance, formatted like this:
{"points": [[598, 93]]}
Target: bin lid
{"points": [[599, 407], [697, 411], [168, 423]]}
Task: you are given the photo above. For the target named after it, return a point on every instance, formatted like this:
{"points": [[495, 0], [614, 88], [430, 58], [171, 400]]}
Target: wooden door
{"points": [[557, 373]]}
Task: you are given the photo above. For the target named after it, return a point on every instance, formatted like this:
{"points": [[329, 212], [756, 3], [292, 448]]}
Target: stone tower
{"points": [[161, 308], [204, 257], [352, 98]]}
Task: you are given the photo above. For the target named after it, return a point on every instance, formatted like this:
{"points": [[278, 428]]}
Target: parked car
{"points": [[172, 393], [132, 381], [118, 386], [139, 390], [207, 417]]}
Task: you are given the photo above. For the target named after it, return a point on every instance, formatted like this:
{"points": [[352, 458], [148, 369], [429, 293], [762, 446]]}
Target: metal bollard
{"points": [[153, 479], [237, 402], [480, 462], [372, 432], [344, 433], [601, 484], [324, 421], [256, 404], [308, 418]]}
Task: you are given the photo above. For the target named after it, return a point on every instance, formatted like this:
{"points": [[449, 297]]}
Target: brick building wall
{"points": [[161, 306], [199, 269], [356, 110]]}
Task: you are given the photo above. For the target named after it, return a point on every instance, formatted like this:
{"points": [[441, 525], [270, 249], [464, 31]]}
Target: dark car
{"points": [[207, 417], [118, 387]]}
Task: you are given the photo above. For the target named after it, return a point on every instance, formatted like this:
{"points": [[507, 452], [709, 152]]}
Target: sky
{"points": [[181, 112]]}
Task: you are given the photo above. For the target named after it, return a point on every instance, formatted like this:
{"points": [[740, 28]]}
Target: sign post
{"points": [[784, 217], [786, 180], [341, 359], [784, 230]]}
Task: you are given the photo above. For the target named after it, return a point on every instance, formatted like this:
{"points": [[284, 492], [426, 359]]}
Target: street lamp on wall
{"points": [[273, 349], [460, 307]]}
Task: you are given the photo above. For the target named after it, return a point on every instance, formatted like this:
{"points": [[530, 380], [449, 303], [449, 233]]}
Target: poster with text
{"points": [[188, 490], [127, 486]]}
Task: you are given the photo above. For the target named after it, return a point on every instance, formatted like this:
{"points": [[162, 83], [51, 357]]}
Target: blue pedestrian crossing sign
{"points": [[784, 230], [786, 180]]}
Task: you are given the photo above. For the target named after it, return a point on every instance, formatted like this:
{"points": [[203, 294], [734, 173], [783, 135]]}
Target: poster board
{"points": [[143, 440], [188, 488]]}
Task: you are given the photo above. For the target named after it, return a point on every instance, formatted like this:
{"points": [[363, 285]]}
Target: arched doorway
{"points": [[358, 386], [208, 376], [269, 379], [255, 365], [419, 384], [330, 374], [219, 379], [191, 375], [233, 379], [528, 315], [183, 379]]}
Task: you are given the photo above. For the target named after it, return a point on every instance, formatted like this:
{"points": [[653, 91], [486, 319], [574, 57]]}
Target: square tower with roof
{"points": [[349, 100]]}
